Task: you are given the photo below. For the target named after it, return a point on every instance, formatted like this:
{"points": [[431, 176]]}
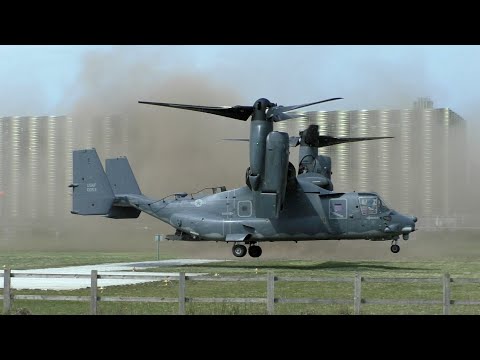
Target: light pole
{"points": [[158, 238]]}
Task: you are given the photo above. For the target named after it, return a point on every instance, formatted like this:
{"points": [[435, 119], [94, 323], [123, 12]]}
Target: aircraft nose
{"points": [[402, 224], [407, 229], [409, 226]]}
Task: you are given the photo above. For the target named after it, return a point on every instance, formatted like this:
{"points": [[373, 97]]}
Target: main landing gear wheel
{"points": [[255, 251], [395, 248], [239, 250]]}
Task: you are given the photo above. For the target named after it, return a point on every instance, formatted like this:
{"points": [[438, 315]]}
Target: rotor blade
{"points": [[293, 107], [323, 141], [236, 139], [277, 111], [283, 116], [236, 112], [294, 141]]}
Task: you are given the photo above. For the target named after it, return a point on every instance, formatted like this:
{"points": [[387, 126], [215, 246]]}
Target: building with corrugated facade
{"points": [[36, 166]]}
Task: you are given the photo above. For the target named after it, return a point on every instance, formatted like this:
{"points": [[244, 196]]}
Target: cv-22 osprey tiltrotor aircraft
{"points": [[276, 204]]}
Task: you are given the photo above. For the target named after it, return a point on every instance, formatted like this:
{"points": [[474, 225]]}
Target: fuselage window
{"points": [[244, 208], [368, 205], [338, 209]]}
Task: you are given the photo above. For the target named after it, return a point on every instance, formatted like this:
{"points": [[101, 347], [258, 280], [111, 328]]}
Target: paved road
{"points": [[112, 269]]}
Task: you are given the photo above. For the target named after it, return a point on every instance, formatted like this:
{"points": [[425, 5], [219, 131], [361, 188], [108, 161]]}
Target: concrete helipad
{"points": [[63, 283]]}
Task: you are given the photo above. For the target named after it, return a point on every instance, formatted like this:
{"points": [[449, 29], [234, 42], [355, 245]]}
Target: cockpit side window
{"points": [[368, 205]]}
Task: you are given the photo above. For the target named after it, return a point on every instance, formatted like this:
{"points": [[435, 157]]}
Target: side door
{"points": [[227, 213], [355, 217]]}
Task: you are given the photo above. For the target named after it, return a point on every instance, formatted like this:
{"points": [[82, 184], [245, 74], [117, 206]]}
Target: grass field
{"points": [[20, 260], [256, 267]]}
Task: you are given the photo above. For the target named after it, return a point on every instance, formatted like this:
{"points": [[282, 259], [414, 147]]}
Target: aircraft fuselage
{"points": [[309, 214]]}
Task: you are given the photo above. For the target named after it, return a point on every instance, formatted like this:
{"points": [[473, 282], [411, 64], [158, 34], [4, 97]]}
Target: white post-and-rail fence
{"points": [[270, 300]]}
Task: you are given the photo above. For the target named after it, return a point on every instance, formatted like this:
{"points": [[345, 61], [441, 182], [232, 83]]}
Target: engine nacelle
{"points": [[318, 167], [274, 182]]}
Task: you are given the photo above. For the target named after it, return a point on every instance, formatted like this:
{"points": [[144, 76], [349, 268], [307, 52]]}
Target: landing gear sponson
{"points": [[240, 250]]}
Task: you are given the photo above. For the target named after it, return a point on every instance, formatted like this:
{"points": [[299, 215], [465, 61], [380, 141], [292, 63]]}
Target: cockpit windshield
{"points": [[368, 204], [371, 204], [383, 205]]}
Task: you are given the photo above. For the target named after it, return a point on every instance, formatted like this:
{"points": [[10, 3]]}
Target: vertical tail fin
{"points": [[120, 176], [92, 192]]}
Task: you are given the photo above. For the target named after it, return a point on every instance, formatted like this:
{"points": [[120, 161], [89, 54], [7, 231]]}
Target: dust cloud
{"points": [[169, 150], [172, 150]]}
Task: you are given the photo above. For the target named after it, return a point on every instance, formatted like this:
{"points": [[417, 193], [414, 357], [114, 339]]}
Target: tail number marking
{"points": [[91, 187]]}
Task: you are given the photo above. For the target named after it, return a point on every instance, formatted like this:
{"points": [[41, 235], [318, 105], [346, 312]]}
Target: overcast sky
{"points": [[48, 80]]}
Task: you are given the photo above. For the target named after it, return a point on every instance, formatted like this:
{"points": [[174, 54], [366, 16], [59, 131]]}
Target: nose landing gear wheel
{"points": [[254, 251], [395, 248], [239, 250]]}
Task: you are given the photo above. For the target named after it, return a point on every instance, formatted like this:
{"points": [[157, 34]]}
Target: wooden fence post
{"points": [[357, 297], [7, 295], [181, 294], [446, 294], [93, 293], [270, 293]]}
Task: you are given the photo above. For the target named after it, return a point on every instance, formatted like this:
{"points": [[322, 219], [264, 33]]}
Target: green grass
{"points": [[258, 289], [19, 260]]}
